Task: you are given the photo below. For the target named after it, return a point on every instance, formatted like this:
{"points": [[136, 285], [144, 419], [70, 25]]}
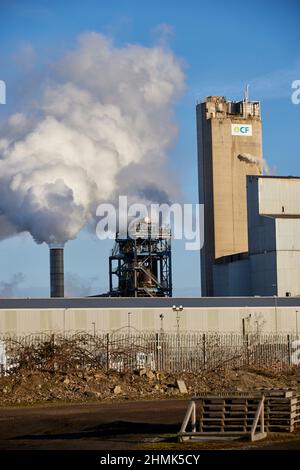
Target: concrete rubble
{"points": [[37, 386]]}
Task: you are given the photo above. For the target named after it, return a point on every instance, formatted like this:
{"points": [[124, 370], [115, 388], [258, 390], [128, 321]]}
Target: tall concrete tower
{"points": [[229, 140]]}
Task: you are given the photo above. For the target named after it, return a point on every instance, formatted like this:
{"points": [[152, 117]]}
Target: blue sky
{"points": [[223, 46]]}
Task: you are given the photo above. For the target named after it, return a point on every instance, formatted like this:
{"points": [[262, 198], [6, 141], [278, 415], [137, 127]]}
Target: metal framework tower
{"points": [[140, 265]]}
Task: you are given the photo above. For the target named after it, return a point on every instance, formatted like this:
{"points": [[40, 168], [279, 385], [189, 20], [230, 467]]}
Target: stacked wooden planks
{"points": [[282, 409]]}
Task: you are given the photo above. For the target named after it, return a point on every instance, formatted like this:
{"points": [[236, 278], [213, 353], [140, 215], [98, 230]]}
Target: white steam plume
{"points": [[9, 288], [76, 286], [108, 115], [259, 162]]}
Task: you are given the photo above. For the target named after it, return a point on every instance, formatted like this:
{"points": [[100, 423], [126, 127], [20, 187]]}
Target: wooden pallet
{"points": [[239, 416], [236, 414], [282, 409]]}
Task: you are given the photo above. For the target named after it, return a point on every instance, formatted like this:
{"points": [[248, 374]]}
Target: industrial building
{"points": [[271, 265], [252, 221], [250, 261], [229, 140]]}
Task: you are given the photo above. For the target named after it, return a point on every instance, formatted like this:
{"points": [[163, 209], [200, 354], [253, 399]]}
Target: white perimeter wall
{"points": [[266, 319]]}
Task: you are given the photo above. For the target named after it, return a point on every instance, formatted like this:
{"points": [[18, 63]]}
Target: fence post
{"points": [[204, 350], [289, 349], [107, 351], [157, 353], [52, 349], [247, 348]]}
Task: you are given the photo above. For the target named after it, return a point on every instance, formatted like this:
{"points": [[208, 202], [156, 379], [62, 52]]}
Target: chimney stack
{"points": [[57, 272]]}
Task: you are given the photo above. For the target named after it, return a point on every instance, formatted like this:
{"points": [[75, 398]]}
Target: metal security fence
{"points": [[167, 352]]}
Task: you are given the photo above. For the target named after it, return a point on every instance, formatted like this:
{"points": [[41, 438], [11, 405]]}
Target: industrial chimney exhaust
{"points": [[57, 288]]}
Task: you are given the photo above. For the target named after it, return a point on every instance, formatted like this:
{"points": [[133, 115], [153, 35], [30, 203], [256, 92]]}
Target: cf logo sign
{"points": [[242, 129], [2, 92]]}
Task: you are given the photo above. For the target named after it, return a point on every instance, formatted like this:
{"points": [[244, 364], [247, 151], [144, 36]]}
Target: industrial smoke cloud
{"points": [[102, 128]]}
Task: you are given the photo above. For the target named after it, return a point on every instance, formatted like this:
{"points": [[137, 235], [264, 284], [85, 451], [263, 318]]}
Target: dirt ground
{"points": [[144, 425], [98, 410]]}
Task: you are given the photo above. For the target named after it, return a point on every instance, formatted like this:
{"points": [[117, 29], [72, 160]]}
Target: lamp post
{"points": [[297, 323], [177, 310], [161, 316], [128, 322]]}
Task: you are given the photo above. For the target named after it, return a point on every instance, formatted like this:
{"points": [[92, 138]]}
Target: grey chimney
{"points": [[57, 272]]}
